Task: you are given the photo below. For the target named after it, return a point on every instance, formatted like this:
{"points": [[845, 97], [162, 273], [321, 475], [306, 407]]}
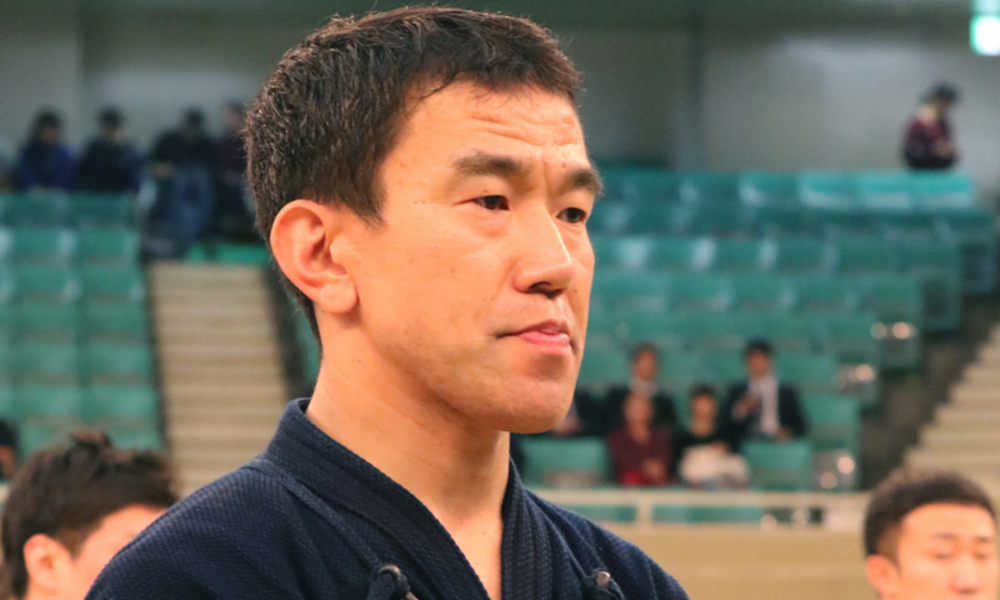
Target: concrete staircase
{"points": [[965, 433], [220, 366]]}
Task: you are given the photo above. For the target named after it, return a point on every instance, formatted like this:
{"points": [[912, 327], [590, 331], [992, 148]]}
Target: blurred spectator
{"points": [[45, 162], [762, 407], [70, 510], [644, 381], [640, 450], [110, 164], [8, 449], [182, 163], [233, 218], [928, 143], [7, 153], [702, 453]]}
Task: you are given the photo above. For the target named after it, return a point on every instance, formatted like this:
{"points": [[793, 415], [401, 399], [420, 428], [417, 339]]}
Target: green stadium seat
{"points": [[8, 401], [34, 436], [834, 224], [722, 367], [728, 515], [706, 330], [604, 513], [710, 219], [123, 405], [136, 438], [122, 285], [46, 285], [604, 330], [834, 423], [803, 255], [681, 254], [976, 234], [781, 221], [8, 285], [45, 323], [42, 403], [651, 218], [811, 373], [709, 187], [698, 292], [828, 191], [580, 462], [626, 253], [937, 265], [619, 291], [787, 332], [32, 210], [865, 255], [601, 368], [780, 467], [893, 298], [767, 189], [639, 184], [112, 364], [678, 372], [816, 294], [109, 246], [102, 210], [8, 327], [743, 256], [851, 337], [7, 364], [898, 225], [46, 364], [761, 293], [610, 218], [116, 323], [944, 191], [887, 191], [6, 245], [44, 246]]}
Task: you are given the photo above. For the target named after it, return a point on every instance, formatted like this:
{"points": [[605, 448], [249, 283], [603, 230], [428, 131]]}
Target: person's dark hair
{"points": [[944, 92], [194, 118], [65, 493], [44, 119], [332, 110], [758, 345], [700, 390], [110, 117], [907, 490], [644, 348]]}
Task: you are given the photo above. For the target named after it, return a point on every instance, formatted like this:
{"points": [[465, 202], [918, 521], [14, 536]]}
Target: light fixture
{"points": [[985, 34]]}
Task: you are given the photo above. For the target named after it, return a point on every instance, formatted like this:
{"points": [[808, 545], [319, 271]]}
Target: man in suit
{"points": [[644, 378], [762, 407]]}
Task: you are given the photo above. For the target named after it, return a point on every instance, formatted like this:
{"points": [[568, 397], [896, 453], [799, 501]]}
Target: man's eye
{"points": [[574, 215], [492, 202]]}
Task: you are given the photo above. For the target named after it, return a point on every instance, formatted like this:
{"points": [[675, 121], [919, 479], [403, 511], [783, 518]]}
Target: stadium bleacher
{"points": [[74, 325]]}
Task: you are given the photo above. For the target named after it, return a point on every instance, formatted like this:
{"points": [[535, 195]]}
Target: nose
{"points": [[545, 265], [966, 578]]}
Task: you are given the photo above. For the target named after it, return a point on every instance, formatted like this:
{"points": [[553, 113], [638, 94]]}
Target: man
{"points": [[45, 162], [762, 407], [644, 382], [928, 143], [233, 219], [69, 510], [422, 179], [931, 535], [110, 163]]}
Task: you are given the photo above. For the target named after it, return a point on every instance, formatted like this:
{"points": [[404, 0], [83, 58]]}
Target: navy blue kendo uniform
{"points": [[309, 519]]}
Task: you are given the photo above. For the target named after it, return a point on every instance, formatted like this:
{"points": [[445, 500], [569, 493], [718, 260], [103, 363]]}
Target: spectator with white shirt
{"points": [[762, 407]]}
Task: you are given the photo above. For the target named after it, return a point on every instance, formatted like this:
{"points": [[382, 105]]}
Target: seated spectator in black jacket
{"points": [[762, 407], [45, 162], [644, 377], [702, 454], [110, 164]]}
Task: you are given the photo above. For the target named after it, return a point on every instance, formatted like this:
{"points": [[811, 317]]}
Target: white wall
{"points": [[840, 100]]}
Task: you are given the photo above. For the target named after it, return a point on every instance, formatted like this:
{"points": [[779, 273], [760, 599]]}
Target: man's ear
{"points": [[308, 242], [46, 561], [883, 575]]}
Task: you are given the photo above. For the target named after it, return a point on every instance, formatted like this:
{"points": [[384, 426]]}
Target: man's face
{"points": [[475, 288], [758, 364], [944, 551], [116, 530], [645, 366]]}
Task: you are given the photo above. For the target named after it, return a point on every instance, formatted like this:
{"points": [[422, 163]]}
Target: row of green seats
{"points": [[40, 246], [898, 190], [585, 462], [67, 210], [97, 405], [36, 435], [95, 363], [69, 284], [71, 324]]}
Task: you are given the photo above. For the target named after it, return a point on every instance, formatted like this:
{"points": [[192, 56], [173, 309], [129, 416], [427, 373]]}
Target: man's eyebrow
{"points": [[484, 164]]}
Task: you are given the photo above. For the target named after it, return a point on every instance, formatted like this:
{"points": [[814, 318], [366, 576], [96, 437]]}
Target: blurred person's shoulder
{"points": [[597, 548]]}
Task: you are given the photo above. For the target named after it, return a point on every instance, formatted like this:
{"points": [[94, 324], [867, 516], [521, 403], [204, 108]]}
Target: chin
{"points": [[534, 409]]}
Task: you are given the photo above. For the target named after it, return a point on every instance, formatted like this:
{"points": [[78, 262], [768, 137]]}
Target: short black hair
{"points": [[700, 390], [44, 119], [110, 117], [944, 92], [903, 492], [194, 117], [65, 493], [331, 111], [758, 345], [644, 348]]}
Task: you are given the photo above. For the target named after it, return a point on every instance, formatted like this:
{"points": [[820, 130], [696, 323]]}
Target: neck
{"points": [[33, 593], [458, 471]]}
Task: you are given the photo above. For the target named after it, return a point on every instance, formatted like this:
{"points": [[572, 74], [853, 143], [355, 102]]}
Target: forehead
{"points": [[467, 114], [952, 520]]}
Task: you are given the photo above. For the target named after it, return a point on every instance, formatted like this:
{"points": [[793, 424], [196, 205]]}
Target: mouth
{"points": [[551, 335]]}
